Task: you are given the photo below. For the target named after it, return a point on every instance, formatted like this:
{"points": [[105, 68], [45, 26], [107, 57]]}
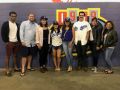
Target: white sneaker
{"points": [[69, 69], [95, 70]]}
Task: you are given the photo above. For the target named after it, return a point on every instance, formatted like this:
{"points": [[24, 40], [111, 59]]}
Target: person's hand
{"points": [[70, 44], [23, 44], [97, 48], [101, 46], [39, 46], [6, 43]]}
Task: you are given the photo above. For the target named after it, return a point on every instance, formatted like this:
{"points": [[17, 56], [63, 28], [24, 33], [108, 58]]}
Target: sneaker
{"points": [[85, 69], [45, 68], [42, 70], [69, 69], [95, 70]]}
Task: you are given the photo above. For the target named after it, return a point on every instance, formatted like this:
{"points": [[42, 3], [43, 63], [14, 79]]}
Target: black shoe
{"points": [[9, 74], [42, 70], [85, 69], [45, 69], [79, 68]]}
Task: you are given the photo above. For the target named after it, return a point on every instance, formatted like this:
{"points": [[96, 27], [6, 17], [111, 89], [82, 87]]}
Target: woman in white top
{"points": [[56, 40]]}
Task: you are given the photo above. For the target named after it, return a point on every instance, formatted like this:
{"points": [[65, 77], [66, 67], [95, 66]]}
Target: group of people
{"points": [[30, 38]]}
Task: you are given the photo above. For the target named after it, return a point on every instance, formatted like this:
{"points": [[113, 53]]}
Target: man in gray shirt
{"points": [[27, 36]]}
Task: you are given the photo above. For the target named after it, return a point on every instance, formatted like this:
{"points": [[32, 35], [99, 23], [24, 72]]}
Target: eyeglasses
{"points": [[13, 16]]}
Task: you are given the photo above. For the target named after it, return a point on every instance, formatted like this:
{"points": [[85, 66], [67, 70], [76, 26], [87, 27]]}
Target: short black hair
{"points": [[82, 12], [12, 12]]}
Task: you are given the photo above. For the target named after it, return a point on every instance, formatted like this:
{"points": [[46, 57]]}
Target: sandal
{"points": [[16, 70], [105, 71], [109, 72], [22, 74], [9, 74]]}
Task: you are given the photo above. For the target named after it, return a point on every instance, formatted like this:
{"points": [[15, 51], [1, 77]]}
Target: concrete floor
{"points": [[76, 80]]}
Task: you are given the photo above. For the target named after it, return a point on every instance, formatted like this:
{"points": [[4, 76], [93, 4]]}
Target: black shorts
{"points": [[26, 51], [57, 47]]}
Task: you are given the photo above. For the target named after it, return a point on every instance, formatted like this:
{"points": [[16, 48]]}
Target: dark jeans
{"points": [[81, 51], [43, 53], [95, 53]]}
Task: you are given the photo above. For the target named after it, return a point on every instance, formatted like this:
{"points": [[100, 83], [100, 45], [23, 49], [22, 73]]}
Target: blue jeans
{"points": [[108, 54], [68, 53]]}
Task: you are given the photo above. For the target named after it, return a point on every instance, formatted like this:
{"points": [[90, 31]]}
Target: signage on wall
{"points": [[73, 13]]}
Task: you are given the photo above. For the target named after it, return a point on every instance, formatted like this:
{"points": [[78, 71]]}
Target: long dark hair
{"points": [[105, 29], [112, 28], [58, 30], [64, 26], [40, 23]]}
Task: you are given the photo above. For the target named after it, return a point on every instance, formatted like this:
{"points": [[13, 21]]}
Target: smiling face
{"points": [[31, 17], [81, 16], [67, 23], [43, 21], [94, 22], [55, 26], [13, 17], [109, 26]]}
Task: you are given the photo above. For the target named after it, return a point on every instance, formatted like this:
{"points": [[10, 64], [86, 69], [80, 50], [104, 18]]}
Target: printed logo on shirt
{"points": [[76, 28], [83, 27]]}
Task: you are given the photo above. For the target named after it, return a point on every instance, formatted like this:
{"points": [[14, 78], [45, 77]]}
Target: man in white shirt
{"points": [[10, 35], [82, 33]]}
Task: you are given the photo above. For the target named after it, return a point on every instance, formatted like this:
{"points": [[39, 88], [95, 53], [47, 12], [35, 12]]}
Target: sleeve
{"points": [[99, 34], [22, 31], [41, 37], [3, 32], [88, 27], [37, 35], [91, 36], [60, 34], [114, 39], [49, 37], [74, 25]]}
